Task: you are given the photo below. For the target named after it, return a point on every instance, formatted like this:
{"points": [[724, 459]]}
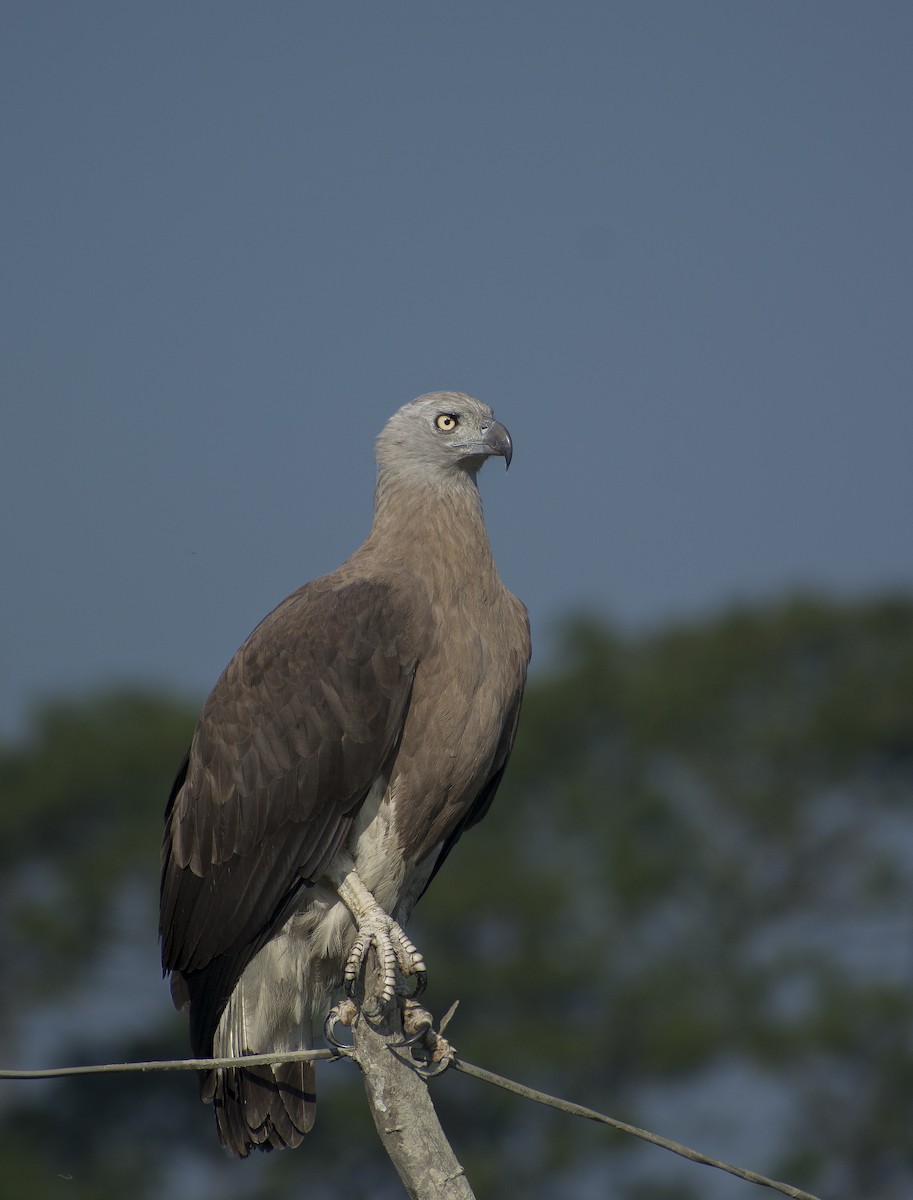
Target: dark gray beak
{"points": [[497, 439]]}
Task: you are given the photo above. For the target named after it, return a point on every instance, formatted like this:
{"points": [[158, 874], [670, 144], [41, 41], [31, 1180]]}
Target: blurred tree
{"points": [[690, 907], [80, 818]]}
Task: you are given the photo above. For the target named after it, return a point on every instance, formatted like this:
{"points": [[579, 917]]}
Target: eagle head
{"points": [[442, 432]]}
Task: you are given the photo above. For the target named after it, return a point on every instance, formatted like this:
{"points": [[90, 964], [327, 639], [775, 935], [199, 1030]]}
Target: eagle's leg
{"points": [[376, 928]]}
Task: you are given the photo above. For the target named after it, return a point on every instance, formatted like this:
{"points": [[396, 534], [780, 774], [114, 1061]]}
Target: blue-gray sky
{"points": [[670, 243]]}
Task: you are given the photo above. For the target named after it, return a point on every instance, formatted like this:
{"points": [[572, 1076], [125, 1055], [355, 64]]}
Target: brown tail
{"points": [[262, 1108]]}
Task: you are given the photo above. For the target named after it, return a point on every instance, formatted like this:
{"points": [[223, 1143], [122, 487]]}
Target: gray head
{"points": [[441, 434]]}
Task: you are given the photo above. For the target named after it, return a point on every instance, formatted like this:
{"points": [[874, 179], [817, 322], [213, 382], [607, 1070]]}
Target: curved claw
{"points": [[428, 1069], [411, 1039], [421, 982], [343, 1013], [433, 1069], [329, 1032]]}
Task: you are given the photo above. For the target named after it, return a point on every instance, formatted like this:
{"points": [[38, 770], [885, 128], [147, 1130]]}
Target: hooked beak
{"points": [[497, 439]]}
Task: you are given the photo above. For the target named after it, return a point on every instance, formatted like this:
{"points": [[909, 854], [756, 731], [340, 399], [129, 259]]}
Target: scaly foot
{"points": [[394, 950], [378, 929]]}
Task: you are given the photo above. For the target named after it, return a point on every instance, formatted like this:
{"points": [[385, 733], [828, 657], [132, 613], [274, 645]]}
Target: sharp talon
{"points": [[418, 986], [343, 1013], [431, 1070], [411, 1039], [329, 1032]]}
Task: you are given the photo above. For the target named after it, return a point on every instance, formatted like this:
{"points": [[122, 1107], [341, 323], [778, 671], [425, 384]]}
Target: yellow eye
{"points": [[447, 422]]}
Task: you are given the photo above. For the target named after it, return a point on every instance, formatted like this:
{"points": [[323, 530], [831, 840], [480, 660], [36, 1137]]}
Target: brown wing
{"points": [[299, 726]]}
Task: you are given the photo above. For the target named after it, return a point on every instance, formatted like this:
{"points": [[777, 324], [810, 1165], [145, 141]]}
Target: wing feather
{"points": [[297, 729]]}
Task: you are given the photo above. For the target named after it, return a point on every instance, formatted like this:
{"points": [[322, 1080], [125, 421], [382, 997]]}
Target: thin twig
{"points": [[578, 1110]]}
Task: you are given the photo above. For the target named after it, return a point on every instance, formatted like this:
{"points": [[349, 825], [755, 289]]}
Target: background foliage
{"points": [[690, 907]]}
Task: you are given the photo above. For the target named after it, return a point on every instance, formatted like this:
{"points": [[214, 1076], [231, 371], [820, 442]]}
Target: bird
{"points": [[360, 729]]}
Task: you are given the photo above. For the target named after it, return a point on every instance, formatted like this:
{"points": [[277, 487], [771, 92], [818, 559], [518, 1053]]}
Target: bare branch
{"points": [[403, 1113]]}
